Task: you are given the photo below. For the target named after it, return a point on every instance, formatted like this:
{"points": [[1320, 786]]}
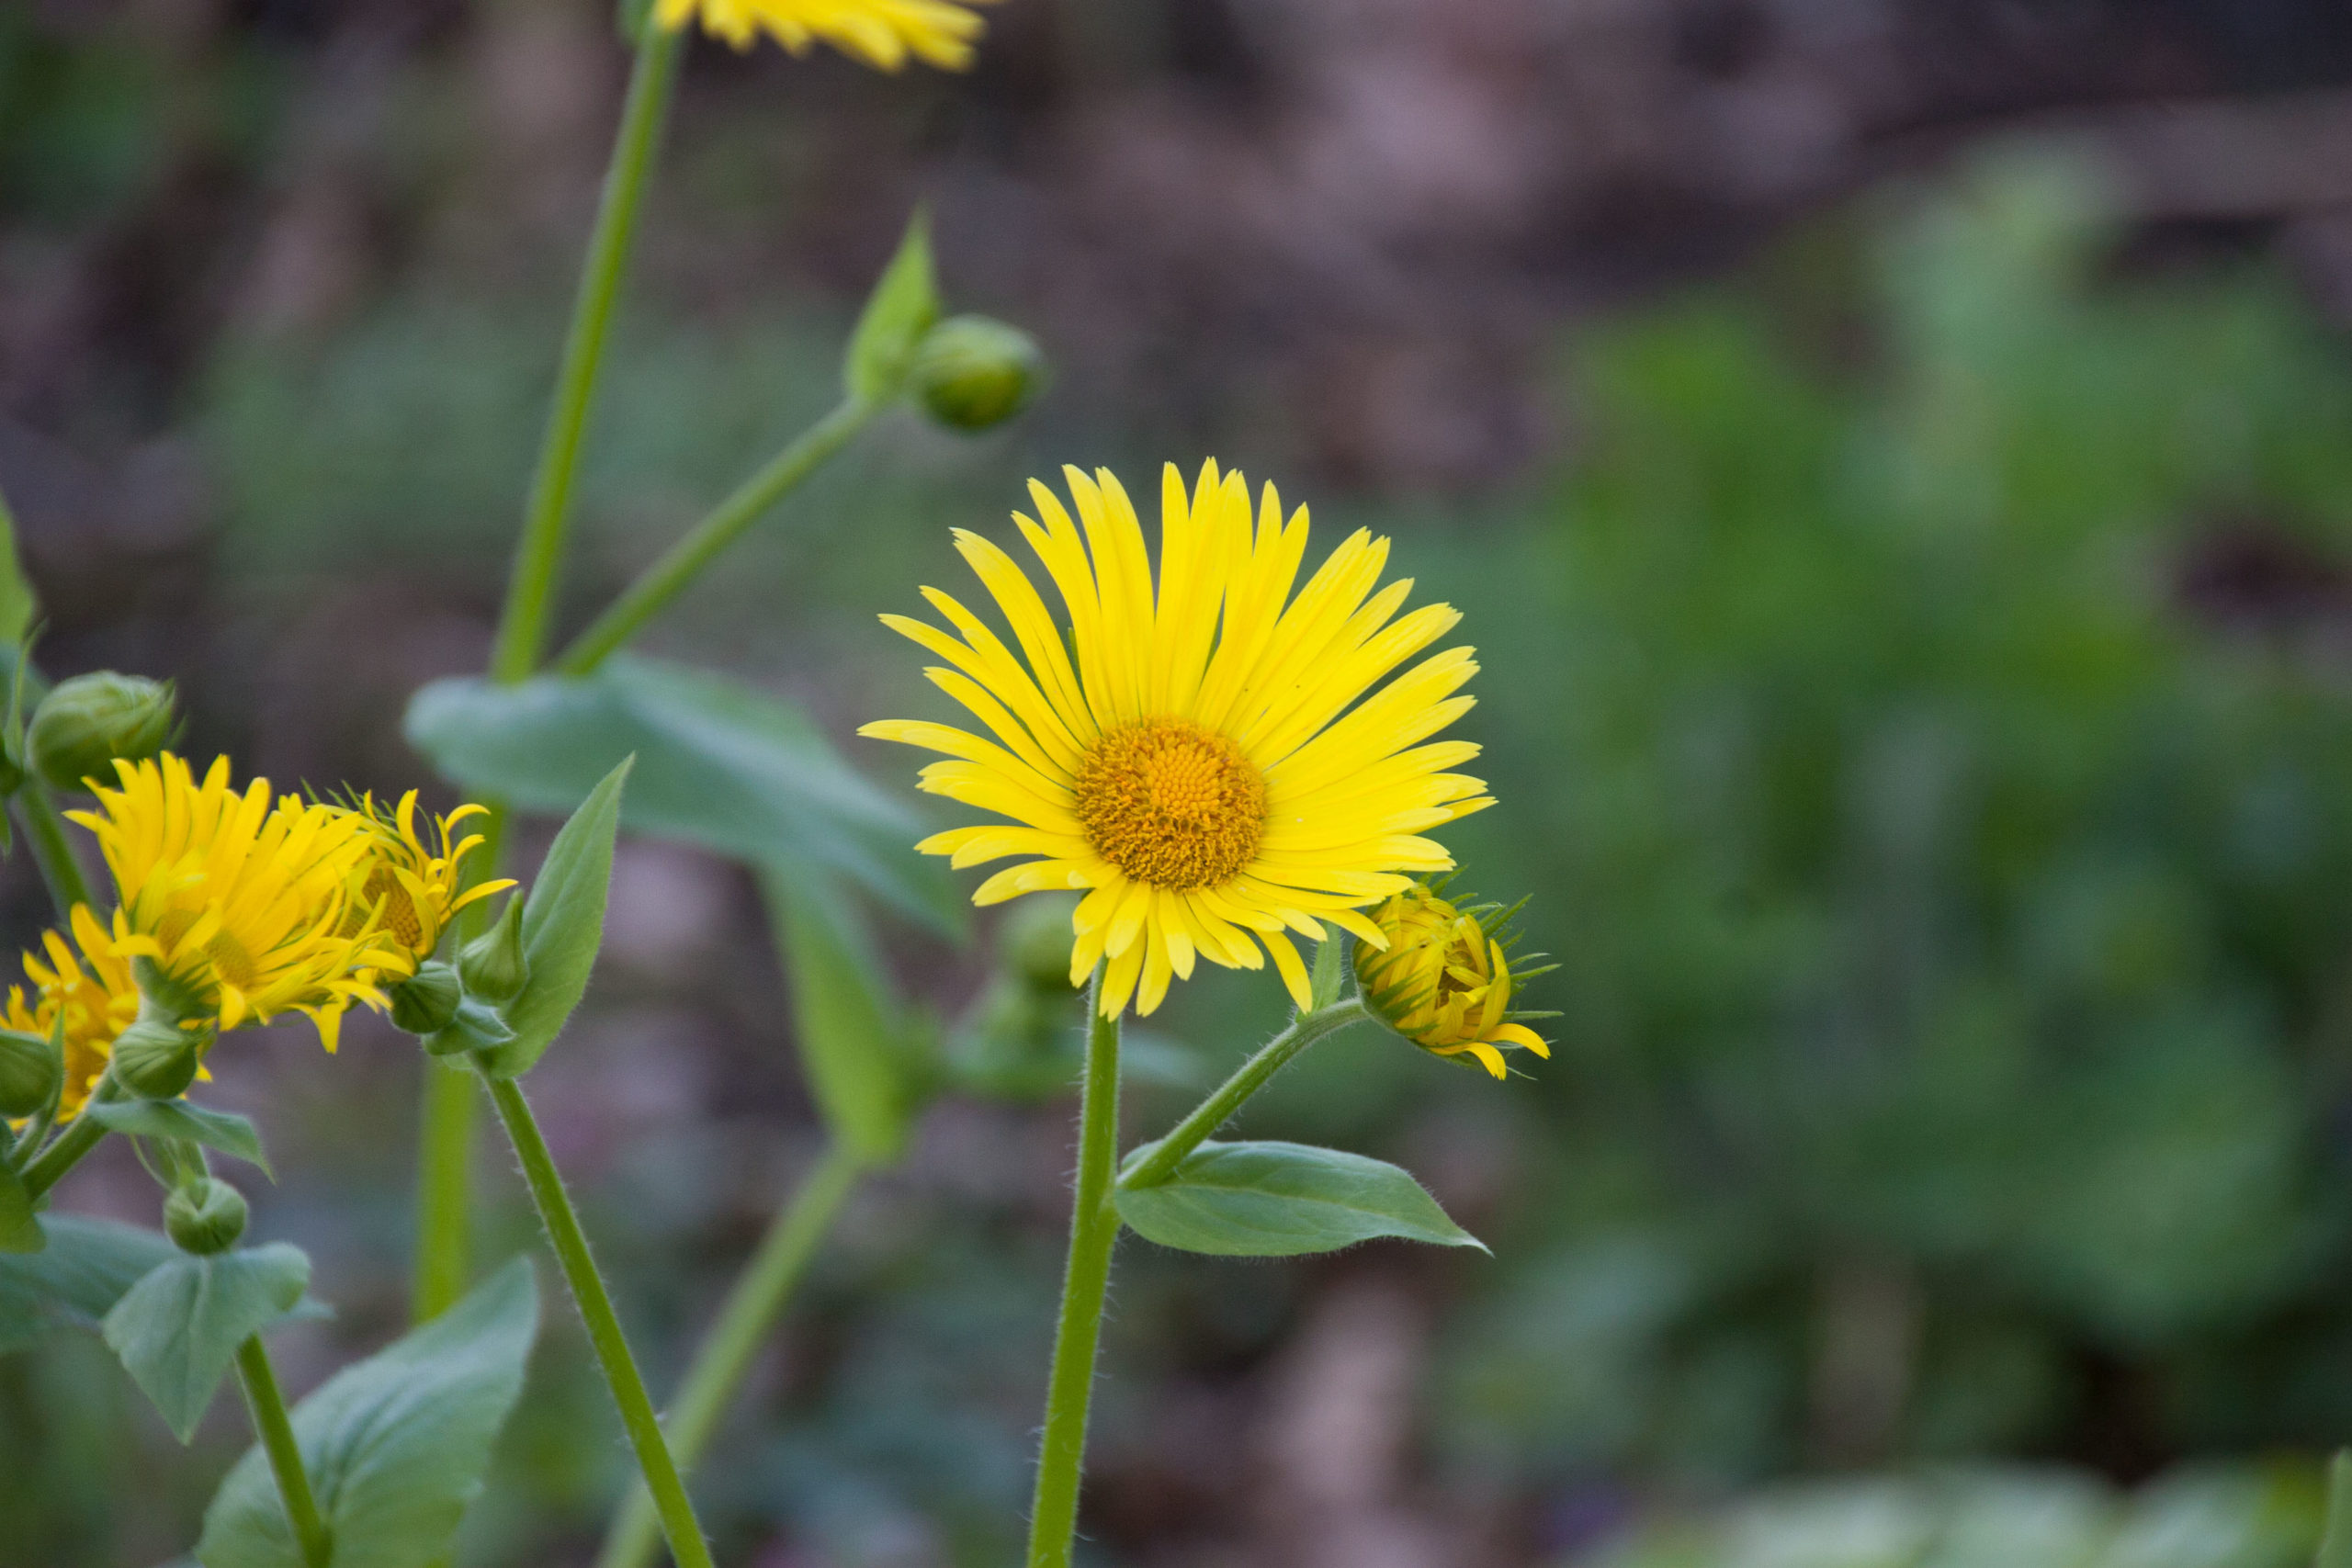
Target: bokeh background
{"points": [[1893, 456]]}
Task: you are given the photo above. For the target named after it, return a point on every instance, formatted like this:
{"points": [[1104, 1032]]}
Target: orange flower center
{"points": [[1171, 804]]}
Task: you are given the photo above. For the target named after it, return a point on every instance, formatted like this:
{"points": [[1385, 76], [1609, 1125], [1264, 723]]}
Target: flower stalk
{"points": [[1159, 1164], [275, 1430], [60, 870], [734, 1338], [1093, 1232], [48, 1166], [654, 1460]]}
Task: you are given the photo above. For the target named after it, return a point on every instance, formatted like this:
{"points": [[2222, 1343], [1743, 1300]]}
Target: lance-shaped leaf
{"points": [[178, 1119], [395, 1446], [177, 1330], [1273, 1200], [844, 1012], [75, 1279], [903, 308], [718, 764], [17, 605], [564, 925]]}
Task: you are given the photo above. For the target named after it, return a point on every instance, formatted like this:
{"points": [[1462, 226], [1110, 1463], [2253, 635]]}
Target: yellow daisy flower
{"points": [[1443, 981], [95, 992], [411, 888], [1210, 766], [880, 33], [241, 902]]}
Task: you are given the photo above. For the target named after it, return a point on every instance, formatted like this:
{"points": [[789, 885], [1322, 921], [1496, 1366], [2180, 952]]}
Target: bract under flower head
{"points": [[1445, 980], [92, 989], [242, 904], [1214, 758], [411, 884], [882, 33]]}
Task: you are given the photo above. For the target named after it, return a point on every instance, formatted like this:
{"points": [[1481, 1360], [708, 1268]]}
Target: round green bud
{"points": [[428, 1000], [203, 1217], [494, 964], [84, 724], [30, 1072], [156, 1059], [973, 373], [1036, 942]]}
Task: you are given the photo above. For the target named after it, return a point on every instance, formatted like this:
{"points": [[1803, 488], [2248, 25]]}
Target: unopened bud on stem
{"points": [[973, 373], [203, 1217], [494, 964], [31, 1068], [428, 1000], [83, 724]]}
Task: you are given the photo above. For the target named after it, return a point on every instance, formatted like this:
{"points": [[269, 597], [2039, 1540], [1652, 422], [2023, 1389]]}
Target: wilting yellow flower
{"points": [[1210, 766], [1444, 981], [241, 903], [880, 33], [410, 889], [92, 989]]}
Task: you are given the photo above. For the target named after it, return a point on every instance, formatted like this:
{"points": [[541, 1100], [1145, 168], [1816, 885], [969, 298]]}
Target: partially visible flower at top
{"points": [[92, 989], [240, 903], [411, 884], [1444, 981], [880, 33], [1216, 758]]}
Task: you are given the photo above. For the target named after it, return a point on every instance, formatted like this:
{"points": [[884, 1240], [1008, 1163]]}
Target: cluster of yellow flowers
{"points": [[247, 905]]}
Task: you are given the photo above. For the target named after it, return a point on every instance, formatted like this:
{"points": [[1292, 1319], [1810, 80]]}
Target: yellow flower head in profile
{"points": [[240, 902], [92, 990], [1444, 979], [1207, 753], [880, 33], [412, 882]]}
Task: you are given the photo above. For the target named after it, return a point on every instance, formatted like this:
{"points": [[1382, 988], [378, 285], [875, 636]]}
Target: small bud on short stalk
{"points": [[494, 964], [83, 724], [31, 1068], [426, 1001], [155, 1058], [206, 1216], [972, 373]]}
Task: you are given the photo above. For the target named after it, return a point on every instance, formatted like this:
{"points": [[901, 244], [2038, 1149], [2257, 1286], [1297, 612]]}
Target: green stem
{"points": [[1161, 1163], [276, 1433], [734, 1339], [539, 559], [52, 850], [685, 561], [443, 1190], [54, 1161], [1093, 1232], [644, 1427]]}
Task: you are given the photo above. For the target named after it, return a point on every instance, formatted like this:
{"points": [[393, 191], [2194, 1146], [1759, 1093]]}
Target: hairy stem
{"points": [[1161, 1163], [46, 1168], [275, 1431], [1093, 1232], [654, 1460], [734, 1338]]}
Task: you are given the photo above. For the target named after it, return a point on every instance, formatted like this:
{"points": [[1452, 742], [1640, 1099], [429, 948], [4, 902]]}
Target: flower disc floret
{"points": [[240, 903], [93, 990], [1443, 980], [1220, 756], [882, 33]]}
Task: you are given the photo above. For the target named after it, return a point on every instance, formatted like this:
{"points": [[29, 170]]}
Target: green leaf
{"points": [[2335, 1544], [75, 1280], [1271, 1199], [395, 1446], [17, 605], [718, 764], [177, 1330], [564, 925], [845, 1013], [19, 1231], [903, 306], [178, 1119]]}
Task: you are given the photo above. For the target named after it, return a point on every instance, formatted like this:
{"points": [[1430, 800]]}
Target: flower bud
{"points": [[156, 1059], [426, 1000], [475, 1026], [203, 1217], [31, 1068], [494, 964], [1445, 980], [1036, 940], [971, 372], [83, 724]]}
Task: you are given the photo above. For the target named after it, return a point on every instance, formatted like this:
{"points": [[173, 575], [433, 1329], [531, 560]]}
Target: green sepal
{"points": [[903, 308], [1277, 1200], [395, 1446], [477, 1026], [177, 1330]]}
